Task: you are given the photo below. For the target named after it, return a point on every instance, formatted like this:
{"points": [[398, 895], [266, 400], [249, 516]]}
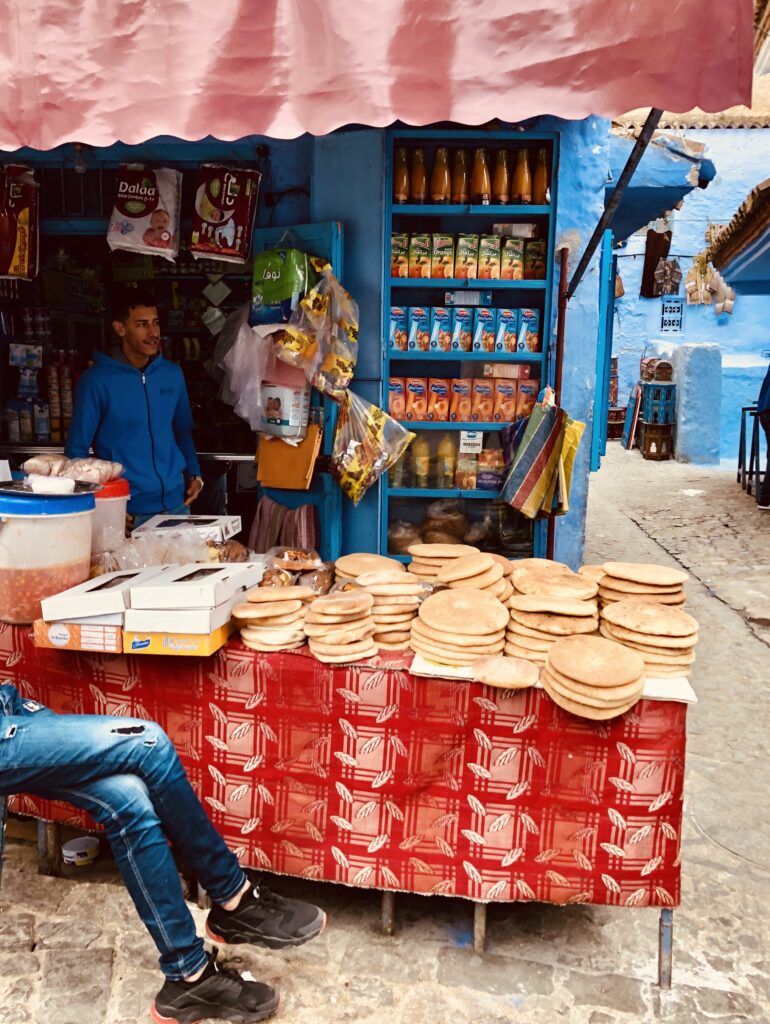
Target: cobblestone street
{"points": [[72, 950]]}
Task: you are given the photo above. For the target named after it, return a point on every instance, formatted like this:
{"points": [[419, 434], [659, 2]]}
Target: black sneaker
{"points": [[264, 918], [220, 993]]}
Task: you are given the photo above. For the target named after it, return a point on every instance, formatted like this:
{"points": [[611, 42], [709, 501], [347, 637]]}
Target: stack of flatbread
{"points": [[457, 627], [623, 580], [505, 673], [428, 559], [593, 677], [272, 618], [553, 579], [480, 571], [339, 627], [348, 567], [396, 598], [538, 622], [663, 636]]}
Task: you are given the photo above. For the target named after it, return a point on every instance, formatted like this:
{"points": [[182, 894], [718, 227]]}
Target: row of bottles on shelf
{"points": [[517, 184], [444, 465], [32, 415]]}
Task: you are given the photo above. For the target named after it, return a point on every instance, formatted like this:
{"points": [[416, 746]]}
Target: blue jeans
{"points": [[141, 517], [126, 774]]}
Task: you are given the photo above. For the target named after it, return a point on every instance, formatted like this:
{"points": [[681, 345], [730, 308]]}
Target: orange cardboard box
{"points": [[439, 389], [419, 255], [482, 400], [506, 392], [70, 636], [461, 400], [416, 398], [526, 398], [396, 398]]}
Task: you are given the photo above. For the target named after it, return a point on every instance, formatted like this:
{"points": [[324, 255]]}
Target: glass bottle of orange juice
{"points": [[521, 191], [446, 462], [460, 178], [501, 182], [418, 178], [540, 179], [441, 179], [400, 177], [421, 460], [481, 185]]}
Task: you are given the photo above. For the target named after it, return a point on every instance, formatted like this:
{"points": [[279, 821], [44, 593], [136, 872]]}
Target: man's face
{"points": [[140, 333]]}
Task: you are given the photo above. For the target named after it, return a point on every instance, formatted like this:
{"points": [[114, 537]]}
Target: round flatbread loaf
{"points": [[466, 567], [256, 645], [642, 642], [641, 572], [668, 671], [537, 634], [468, 612], [514, 651], [456, 652], [345, 634], [574, 587], [583, 710], [505, 673], [394, 637], [357, 647], [384, 601], [507, 592], [610, 596], [441, 550], [352, 602], [335, 620], [401, 626], [352, 566], [506, 563], [368, 579], [401, 646], [274, 636], [588, 698], [497, 589], [276, 595], [630, 589], [600, 695], [393, 616], [432, 563], [482, 581], [267, 610], [553, 605], [439, 636], [593, 572], [650, 618], [345, 659], [530, 643], [411, 589], [595, 661], [444, 657], [542, 565], [557, 625]]}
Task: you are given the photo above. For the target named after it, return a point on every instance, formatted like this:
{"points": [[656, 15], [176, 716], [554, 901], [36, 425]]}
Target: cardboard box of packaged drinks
{"points": [[71, 636]]}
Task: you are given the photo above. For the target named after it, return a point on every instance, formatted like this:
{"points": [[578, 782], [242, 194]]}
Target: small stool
{"points": [[657, 441]]}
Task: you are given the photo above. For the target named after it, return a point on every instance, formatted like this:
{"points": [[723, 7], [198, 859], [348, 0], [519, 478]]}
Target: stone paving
{"points": [[73, 952]]}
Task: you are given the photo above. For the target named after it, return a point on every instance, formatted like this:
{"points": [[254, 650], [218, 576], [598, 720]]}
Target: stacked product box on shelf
{"points": [[441, 256], [494, 398], [461, 329]]}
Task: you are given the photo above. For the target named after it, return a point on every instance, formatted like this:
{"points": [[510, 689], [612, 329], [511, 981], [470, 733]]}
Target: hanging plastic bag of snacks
{"points": [[367, 443], [280, 279]]}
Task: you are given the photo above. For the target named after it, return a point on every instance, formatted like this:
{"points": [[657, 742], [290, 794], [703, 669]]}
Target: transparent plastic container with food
{"points": [[45, 548]]}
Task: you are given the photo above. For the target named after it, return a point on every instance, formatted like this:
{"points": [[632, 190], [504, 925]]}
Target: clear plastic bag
{"points": [[246, 358], [320, 580], [173, 547], [280, 279], [401, 535], [294, 559], [367, 443], [322, 336]]}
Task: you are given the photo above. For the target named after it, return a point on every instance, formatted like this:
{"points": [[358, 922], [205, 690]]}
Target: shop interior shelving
{"points": [[409, 502]]}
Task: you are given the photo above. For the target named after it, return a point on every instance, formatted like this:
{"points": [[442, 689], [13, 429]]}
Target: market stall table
{"points": [[367, 775]]}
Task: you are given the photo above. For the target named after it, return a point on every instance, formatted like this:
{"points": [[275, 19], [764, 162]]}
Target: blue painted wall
{"points": [[741, 157]]}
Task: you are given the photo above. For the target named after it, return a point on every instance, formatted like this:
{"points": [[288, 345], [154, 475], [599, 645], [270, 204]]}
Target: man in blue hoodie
{"points": [[132, 407]]}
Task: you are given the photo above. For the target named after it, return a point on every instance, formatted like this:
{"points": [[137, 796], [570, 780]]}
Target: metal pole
{"points": [[653, 119], [561, 325]]}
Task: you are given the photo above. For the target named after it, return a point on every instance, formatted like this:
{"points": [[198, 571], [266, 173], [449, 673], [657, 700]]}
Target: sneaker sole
{"points": [[248, 1018], [268, 941]]}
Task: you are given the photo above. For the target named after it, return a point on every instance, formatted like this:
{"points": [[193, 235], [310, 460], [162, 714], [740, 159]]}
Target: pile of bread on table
{"points": [[589, 637]]}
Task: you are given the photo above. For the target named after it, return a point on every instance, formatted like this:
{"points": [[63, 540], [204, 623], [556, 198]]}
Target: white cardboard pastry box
{"points": [[103, 595], [215, 528], [195, 585], [184, 620]]}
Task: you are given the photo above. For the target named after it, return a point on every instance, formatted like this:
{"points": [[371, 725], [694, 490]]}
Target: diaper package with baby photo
{"points": [[225, 204], [145, 217]]}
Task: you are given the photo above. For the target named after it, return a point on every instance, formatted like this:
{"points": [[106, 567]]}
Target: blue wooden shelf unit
{"points": [[407, 502]]}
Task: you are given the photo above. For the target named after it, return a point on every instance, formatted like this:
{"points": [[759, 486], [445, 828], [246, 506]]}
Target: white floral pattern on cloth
{"points": [[372, 777]]}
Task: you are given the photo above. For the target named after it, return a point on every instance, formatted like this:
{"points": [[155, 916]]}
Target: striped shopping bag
{"points": [[530, 485]]}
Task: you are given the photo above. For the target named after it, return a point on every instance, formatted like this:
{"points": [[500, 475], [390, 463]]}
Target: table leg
{"points": [[741, 474], [753, 457], [665, 947], [479, 927], [49, 848], [388, 912]]}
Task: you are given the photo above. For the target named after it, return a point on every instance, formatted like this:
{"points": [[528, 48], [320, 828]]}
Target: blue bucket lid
{"points": [[45, 504]]}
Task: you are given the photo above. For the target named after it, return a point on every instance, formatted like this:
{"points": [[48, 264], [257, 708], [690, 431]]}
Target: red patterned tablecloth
{"points": [[373, 777]]}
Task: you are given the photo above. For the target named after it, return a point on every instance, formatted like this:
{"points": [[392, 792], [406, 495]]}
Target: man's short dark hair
{"points": [[125, 298]]}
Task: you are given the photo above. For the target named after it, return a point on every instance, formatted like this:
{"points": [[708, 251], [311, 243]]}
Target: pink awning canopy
{"points": [[101, 71]]}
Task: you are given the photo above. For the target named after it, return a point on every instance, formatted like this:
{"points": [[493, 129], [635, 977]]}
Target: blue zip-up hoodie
{"points": [[142, 419]]}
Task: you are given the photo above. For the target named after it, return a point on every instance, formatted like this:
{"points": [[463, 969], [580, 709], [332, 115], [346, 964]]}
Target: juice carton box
{"points": [[442, 320], [419, 256], [442, 256], [526, 397], [506, 337], [399, 255], [398, 334], [461, 398], [462, 334], [439, 392], [397, 397], [419, 329], [416, 398], [530, 339], [467, 256], [482, 400], [489, 258], [506, 392], [535, 259], [484, 329], [511, 371], [512, 260]]}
